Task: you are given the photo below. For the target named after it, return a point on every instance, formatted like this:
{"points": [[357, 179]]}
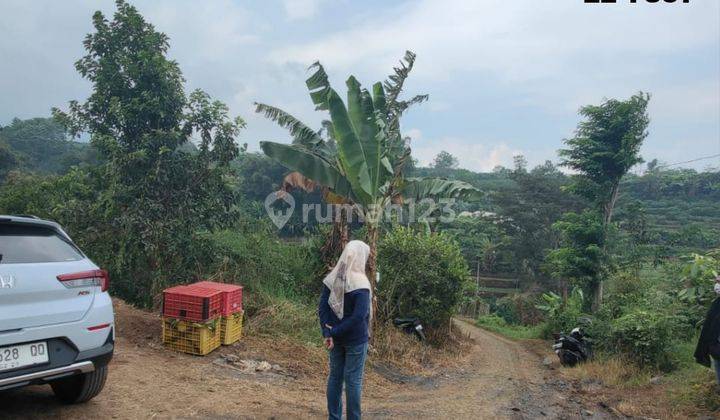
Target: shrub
{"points": [[644, 336], [519, 309], [421, 275], [561, 316], [266, 264]]}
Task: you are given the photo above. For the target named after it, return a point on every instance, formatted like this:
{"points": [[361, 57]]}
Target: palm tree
{"points": [[360, 154]]}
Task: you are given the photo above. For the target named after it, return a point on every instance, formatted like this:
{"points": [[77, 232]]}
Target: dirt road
{"points": [[499, 379]]}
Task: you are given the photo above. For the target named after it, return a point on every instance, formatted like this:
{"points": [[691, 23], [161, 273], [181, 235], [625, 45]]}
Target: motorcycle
{"points": [[411, 326], [572, 348]]}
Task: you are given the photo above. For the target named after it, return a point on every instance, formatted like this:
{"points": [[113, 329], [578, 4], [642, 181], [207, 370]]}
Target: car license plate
{"points": [[22, 355]]}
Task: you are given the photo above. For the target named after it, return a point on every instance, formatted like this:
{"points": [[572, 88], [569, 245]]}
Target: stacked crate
{"points": [[191, 319], [231, 317]]}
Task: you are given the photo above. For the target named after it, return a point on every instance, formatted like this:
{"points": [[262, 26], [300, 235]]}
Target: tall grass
{"points": [[263, 263], [282, 281], [692, 384], [498, 325]]}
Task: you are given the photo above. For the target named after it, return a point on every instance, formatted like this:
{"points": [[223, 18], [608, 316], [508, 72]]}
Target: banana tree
{"points": [[360, 154]]}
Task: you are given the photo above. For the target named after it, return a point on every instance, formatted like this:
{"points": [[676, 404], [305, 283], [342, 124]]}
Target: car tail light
{"points": [[86, 279], [98, 327]]}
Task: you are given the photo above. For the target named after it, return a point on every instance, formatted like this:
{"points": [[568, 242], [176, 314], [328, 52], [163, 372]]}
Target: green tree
{"points": [[8, 159], [158, 193], [363, 158], [606, 145], [528, 211], [444, 160], [581, 256]]}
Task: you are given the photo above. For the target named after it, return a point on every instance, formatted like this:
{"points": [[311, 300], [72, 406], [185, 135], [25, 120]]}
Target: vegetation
{"points": [[40, 145], [498, 324], [362, 162], [138, 118], [163, 194], [422, 275], [605, 147]]}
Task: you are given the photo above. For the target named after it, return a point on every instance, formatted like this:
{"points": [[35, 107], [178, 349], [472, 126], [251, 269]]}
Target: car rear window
{"points": [[34, 244]]}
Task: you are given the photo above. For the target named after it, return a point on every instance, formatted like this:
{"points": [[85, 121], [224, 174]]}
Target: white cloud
{"points": [[503, 76], [523, 40], [552, 55], [472, 155], [211, 30], [301, 9]]}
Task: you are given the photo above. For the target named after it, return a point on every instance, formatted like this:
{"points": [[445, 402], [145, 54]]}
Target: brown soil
{"points": [[495, 378]]}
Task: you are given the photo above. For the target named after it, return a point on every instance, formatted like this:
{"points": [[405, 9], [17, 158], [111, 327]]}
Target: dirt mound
{"points": [[136, 326]]}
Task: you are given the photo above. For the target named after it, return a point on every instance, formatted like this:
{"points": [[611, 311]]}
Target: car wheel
{"points": [[80, 388]]}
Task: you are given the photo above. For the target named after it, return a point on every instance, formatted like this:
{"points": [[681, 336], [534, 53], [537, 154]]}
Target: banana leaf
{"points": [[310, 165]]}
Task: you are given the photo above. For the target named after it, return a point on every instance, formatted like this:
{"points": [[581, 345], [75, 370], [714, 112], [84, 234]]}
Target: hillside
{"points": [[679, 208], [40, 145]]}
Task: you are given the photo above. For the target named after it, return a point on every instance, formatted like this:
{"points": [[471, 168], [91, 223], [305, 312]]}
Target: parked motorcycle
{"points": [[572, 348], [411, 326]]}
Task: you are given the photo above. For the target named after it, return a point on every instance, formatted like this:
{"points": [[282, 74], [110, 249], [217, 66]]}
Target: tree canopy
{"points": [[141, 121]]}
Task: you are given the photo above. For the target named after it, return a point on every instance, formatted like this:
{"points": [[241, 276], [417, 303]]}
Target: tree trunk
{"points": [[372, 237], [336, 240], [610, 205], [597, 290], [597, 296]]}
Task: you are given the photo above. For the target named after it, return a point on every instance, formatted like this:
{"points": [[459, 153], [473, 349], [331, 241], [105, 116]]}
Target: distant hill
{"points": [[40, 145], [680, 208]]}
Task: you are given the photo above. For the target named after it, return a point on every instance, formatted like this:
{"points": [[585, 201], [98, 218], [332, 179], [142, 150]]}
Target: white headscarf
{"points": [[348, 275]]}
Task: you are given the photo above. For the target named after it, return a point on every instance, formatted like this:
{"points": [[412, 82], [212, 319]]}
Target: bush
{"points": [[644, 337], [519, 309], [561, 316], [421, 275], [265, 264]]}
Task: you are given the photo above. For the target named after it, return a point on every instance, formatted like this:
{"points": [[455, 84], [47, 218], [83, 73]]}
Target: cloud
{"points": [[523, 40], [210, 30], [472, 155], [301, 9], [503, 76]]}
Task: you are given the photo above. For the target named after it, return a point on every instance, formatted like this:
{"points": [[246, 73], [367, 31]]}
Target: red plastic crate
{"points": [[231, 295], [192, 303]]}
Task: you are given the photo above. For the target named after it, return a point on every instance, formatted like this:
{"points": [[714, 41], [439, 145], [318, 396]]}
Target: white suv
{"points": [[56, 317]]}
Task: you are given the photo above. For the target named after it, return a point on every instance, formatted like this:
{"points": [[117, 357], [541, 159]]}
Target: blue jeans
{"points": [[716, 363], [346, 365]]}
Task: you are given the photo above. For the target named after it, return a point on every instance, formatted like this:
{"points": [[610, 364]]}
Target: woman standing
{"points": [[344, 319], [708, 346]]}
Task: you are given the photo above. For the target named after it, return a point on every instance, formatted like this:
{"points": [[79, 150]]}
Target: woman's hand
{"points": [[329, 344]]}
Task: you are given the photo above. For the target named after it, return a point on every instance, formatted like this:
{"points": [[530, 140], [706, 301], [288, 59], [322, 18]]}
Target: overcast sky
{"points": [[505, 77]]}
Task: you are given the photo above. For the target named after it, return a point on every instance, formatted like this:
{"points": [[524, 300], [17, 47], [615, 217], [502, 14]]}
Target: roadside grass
{"points": [[689, 389], [611, 371], [266, 264], [686, 391], [280, 283], [691, 384], [272, 316], [498, 325], [403, 351]]}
